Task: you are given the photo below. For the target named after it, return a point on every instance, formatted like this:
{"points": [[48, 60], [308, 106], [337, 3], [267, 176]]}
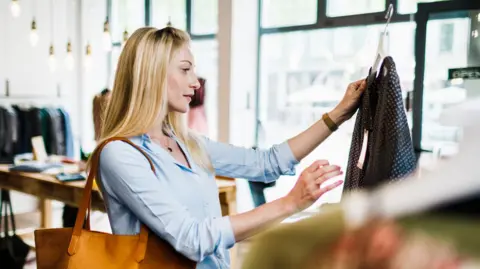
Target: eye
{"points": [[185, 70]]}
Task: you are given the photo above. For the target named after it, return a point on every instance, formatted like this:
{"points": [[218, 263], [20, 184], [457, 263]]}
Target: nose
{"points": [[196, 84]]}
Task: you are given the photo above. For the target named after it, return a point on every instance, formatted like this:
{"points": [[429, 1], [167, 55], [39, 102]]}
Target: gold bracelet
{"points": [[329, 122]]}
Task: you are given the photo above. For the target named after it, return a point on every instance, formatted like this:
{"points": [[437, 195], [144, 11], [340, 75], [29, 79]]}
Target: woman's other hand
{"points": [[350, 102], [308, 188]]}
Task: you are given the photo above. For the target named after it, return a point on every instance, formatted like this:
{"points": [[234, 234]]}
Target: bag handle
{"points": [[85, 204]]}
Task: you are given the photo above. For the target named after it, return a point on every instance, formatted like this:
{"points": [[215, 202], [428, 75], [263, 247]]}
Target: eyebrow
{"points": [[186, 61]]}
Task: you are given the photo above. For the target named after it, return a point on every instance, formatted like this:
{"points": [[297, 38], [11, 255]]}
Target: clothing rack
{"points": [[8, 95]]}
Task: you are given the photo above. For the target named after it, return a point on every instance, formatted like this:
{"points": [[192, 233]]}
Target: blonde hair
{"points": [[139, 95]]}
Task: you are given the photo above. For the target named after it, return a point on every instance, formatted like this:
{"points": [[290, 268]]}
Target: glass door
{"points": [[452, 54]]}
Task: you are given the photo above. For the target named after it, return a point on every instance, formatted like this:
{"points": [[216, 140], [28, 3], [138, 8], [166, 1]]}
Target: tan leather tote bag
{"points": [[80, 248]]}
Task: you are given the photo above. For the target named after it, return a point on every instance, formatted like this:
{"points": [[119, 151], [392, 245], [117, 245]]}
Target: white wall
{"points": [[27, 70], [95, 79]]}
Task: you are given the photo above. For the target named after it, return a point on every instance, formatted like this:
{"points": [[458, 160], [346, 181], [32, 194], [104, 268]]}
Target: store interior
{"points": [[269, 70]]}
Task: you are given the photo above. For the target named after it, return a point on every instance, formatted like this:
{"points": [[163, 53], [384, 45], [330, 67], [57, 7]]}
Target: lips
{"points": [[188, 96]]}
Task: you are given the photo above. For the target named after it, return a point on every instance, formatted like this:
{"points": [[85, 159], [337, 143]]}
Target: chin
{"points": [[180, 109]]}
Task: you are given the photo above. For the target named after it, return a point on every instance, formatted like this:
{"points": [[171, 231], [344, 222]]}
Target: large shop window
{"points": [[204, 17], [288, 13], [126, 15], [164, 11], [305, 74], [336, 8], [206, 58]]}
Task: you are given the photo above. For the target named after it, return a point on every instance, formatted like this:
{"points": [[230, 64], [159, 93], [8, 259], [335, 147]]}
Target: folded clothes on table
{"points": [[33, 167]]}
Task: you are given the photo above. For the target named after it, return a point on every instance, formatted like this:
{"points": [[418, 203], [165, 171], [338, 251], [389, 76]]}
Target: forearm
{"points": [[252, 222], [305, 142]]}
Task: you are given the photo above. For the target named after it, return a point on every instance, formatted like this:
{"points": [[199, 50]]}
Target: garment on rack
{"points": [[9, 133], [381, 149], [197, 118], [23, 131], [3, 127], [18, 124], [67, 130], [35, 121], [46, 132], [57, 133]]}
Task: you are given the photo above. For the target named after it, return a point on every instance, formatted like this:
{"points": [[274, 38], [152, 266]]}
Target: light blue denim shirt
{"points": [[179, 204]]}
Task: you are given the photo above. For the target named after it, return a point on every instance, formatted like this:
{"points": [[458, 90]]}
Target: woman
{"points": [[154, 84]]}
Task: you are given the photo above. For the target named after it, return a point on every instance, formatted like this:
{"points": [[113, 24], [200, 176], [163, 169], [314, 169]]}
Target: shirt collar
{"points": [[147, 143]]}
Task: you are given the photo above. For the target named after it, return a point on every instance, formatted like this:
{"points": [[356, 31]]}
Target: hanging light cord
{"points": [[34, 8], [52, 21], [68, 20]]}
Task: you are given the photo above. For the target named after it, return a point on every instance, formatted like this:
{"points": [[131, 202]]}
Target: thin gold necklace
{"points": [[168, 142], [165, 142], [167, 145]]}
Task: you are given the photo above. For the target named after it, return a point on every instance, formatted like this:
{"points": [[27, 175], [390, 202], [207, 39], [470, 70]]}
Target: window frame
{"points": [[326, 22], [323, 22], [148, 22]]}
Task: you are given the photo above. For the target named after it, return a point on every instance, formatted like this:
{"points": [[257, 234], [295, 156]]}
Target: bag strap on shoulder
{"points": [[85, 204]]}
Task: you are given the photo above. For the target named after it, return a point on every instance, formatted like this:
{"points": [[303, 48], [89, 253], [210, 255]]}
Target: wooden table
{"points": [[47, 187]]}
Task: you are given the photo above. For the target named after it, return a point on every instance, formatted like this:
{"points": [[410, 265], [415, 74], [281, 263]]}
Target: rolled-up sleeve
{"points": [[125, 175], [253, 164]]}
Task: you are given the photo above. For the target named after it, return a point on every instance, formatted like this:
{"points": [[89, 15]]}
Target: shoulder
{"points": [[120, 154]]}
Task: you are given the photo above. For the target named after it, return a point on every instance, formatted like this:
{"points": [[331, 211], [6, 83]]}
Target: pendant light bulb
{"points": [[88, 57], [69, 60], [107, 38], [15, 8], [34, 34], [52, 62]]}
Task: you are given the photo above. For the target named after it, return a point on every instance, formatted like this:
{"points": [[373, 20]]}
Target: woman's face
{"points": [[181, 80]]}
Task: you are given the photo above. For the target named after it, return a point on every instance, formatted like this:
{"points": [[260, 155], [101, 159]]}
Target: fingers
{"points": [[321, 191], [325, 170], [328, 175], [359, 85], [316, 165], [361, 88]]}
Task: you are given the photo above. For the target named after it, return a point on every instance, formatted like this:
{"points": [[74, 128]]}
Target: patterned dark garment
{"points": [[382, 120]]}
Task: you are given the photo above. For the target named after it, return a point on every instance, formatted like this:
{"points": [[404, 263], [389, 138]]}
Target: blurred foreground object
{"points": [[428, 222]]}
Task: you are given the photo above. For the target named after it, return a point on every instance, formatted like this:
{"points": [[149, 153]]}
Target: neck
{"points": [[158, 130], [155, 133]]}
